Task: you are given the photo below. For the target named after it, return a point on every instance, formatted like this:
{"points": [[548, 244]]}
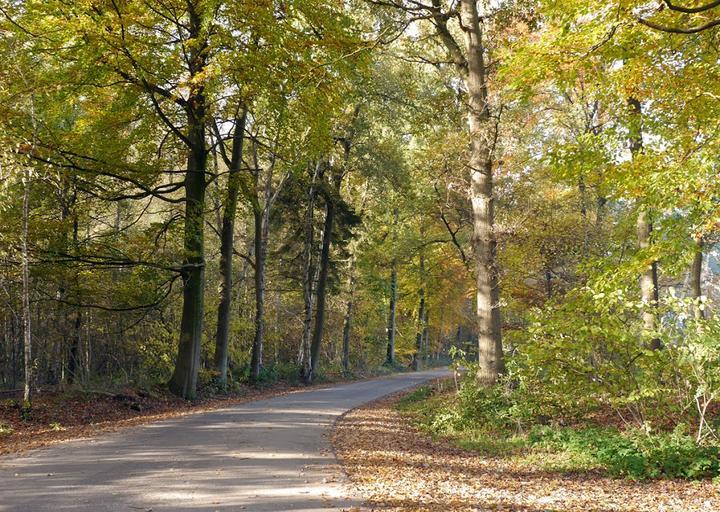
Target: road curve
{"points": [[267, 455]]}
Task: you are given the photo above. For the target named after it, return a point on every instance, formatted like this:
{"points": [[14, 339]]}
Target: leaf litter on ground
{"points": [[397, 468]]}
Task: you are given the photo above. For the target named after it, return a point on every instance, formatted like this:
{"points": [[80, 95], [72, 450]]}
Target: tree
{"points": [[469, 61], [227, 236]]}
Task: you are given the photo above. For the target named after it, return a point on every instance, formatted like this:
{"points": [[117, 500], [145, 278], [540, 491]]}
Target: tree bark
{"points": [[184, 379], [324, 271], [649, 291], [548, 284], [331, 196], [480, 164], [648, 277], [582, 190], [392, 325], [74, 361], [261, 234], [696, 279], [347, 330], [417, 359], [392, 328], [74, 356], [305, 358], [227, 240], [424, 342], [26, 321], [262, 227], [347, 323]]}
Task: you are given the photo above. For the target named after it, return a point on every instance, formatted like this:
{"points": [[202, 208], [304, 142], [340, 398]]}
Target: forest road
{"points": [[267, 455]]}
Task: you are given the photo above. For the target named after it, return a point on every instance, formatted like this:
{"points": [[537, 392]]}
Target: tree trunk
{"points": [[227, 240], [330, 204], [696, 279], [480, 164], [392, 328], [582, 190], [649, 291], [417, 359], [308, 279], [424, 342], [261, 231], [347, 330], [323, 277], [347, 323], [184, 380], [548, 284], [392, 314], [27, 336], [648, 278], [74, 356]]}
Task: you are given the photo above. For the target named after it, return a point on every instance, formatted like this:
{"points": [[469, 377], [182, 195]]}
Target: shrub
{"points": [[279, 372], [590, 352], [418, 395], [634, 454]]}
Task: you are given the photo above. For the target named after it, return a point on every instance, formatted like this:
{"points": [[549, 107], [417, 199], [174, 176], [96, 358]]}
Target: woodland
{"points": [[201, 195]]}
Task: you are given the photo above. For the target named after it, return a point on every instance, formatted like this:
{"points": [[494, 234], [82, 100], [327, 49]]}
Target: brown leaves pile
{"points": [[397, 468]]}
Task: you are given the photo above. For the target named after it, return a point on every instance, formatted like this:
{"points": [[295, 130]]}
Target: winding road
{"points": [[267, 455]]}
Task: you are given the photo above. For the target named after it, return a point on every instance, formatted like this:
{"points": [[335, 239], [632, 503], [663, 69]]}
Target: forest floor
{"points": [[76, 414], [395, 467]]}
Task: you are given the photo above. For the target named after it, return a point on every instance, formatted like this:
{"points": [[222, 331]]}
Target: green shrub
{"points": [[590, 353], [418, 395], [492, 421], [277, 372], [634, 454]]}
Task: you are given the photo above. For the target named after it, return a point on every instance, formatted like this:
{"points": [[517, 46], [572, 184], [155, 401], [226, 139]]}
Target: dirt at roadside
{"points": [[58, 417]]}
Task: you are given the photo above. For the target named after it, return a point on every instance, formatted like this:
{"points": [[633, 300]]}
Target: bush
{"points": [[493, 421], [634, 454], [490, 410], [590, 353], [419, 395], [278, 372]]}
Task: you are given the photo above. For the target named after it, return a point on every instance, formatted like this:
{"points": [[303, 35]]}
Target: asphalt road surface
{"points": [[267, 455]]}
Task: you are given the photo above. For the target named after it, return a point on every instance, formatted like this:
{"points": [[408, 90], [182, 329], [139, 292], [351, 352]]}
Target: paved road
{"points": [[268, 455]]}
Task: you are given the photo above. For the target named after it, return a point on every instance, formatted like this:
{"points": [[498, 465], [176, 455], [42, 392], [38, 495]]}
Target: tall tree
{"points": [[469, 59], [392, 313], [332, 199], [184, 379], [227, 238]]}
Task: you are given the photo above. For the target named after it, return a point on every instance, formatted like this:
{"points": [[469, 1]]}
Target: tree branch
{"points": [[678, 30], [692, 10]]}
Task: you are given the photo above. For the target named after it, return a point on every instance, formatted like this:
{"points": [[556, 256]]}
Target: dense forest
{"points": [[203, 193]]}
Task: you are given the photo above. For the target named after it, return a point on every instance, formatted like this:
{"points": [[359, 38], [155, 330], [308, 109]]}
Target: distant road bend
{"points": [[267, 455]]}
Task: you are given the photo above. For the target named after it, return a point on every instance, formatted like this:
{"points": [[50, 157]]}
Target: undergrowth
{"points": [[495, 424]]}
